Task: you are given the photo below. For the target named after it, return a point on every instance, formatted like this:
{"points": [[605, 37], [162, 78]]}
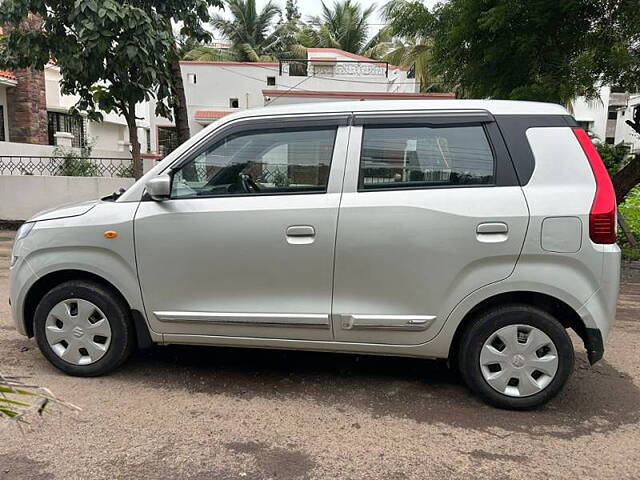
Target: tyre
{"points": [[516, 357], [84, 328]]}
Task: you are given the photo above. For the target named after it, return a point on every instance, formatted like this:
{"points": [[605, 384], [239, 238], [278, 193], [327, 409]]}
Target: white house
{"points": [[605, 117], [215, 89], [34, 119]]}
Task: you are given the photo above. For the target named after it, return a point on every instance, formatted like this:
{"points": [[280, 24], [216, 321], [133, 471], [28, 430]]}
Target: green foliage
{"points": [[535, 50], [75, 164], [110, 53], [408, 21], [631, 254], [614, 156], [345, 26], [630, 209], [127, 172], [19, 401], [250, 30], [203, 53]]}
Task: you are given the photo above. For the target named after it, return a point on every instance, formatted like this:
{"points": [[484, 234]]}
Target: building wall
{"points": [[624, 133], [594, 111], [217, 83], [41, 192], [111, 136]]}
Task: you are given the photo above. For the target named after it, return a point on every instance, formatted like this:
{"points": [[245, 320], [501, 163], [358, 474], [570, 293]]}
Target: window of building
{"points": [[610, 140], [168, 140], [191, 78], [613, 115], [2, 134], [147, 132], [418, 157], [234, 103], [260, 163], [63, 122], [271, 81]]}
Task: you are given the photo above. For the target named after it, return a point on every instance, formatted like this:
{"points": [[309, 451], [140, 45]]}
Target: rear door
{"points": [[431, 211]]}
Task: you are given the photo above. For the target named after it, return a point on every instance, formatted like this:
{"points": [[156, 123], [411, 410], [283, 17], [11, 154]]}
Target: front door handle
{"points": [[301, 234]]}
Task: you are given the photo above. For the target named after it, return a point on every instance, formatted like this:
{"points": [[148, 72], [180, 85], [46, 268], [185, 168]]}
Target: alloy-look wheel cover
{"points": [[519, 360], [78, 331]]}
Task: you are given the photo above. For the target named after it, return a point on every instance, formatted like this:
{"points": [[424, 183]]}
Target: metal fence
{"points": [[66, 166]]}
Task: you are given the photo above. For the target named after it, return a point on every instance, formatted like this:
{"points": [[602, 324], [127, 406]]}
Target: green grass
{"points": [[630, 209]]}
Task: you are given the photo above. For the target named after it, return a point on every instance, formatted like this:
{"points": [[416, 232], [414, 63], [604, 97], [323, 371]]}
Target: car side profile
{"points": [[469, 230]]}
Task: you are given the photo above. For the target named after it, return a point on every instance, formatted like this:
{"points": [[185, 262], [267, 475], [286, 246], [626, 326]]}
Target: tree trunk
{"points": [[627, 178], [180, 103], [130, 116]]}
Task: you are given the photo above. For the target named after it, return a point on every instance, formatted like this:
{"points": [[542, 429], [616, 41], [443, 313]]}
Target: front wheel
{"points": [[83, 328], [516, 357]]}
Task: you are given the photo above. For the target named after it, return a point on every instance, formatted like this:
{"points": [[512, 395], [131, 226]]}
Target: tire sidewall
{"points": [[116, 314], [492, 321]]}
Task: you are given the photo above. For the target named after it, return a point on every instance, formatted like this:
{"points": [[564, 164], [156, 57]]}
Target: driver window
{"points": [[260, 162]]}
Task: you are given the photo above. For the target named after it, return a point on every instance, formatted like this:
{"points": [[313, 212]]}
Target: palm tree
{"points": [[250, 31], [344, 26], [413, 50], [204, 53]]}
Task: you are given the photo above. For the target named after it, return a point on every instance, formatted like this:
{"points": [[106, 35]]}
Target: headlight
{"points": [[24, 230]]}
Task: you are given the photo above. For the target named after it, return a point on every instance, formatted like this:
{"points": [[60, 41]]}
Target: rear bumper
{"points": [[599, 312], [594, 344]]}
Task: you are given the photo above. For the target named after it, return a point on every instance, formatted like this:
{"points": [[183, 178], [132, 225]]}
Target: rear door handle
{"points": [[492, 232], [496, 227], [301, 234]]}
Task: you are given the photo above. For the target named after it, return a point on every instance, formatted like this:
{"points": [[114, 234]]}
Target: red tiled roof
{"points": [[211, 114], [356, 95], [7, 74]]}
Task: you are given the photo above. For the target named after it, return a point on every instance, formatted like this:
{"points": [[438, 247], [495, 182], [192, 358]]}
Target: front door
{"points": [[245, 245], [431, 211]]}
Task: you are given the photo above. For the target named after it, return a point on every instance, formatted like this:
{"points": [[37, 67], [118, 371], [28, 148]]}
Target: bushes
{"points": [[76, 164]]}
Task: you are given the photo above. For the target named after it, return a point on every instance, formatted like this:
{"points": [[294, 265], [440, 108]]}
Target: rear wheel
{"points": [[516, 357], [83, 328]]}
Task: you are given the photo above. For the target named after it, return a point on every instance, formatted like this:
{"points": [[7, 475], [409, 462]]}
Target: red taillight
{"points": [[602, 218]]}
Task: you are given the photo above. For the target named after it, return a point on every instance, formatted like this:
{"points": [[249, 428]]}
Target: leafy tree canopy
{"points": [[344, 25], [535, 50], [110, 53]]}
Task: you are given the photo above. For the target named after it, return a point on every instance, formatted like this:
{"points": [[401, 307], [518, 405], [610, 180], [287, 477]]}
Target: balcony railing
{"points": [[66, 166], [338, 68]]}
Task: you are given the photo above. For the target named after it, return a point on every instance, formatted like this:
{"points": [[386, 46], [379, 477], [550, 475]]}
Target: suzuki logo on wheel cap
{"points": [[518, 361], [77, 332]]}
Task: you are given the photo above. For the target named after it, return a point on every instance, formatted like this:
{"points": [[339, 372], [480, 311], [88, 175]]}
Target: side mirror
{"points": [[159, 188]]}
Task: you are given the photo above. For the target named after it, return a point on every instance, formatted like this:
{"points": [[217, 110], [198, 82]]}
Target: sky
{"points": [[310, 8]]}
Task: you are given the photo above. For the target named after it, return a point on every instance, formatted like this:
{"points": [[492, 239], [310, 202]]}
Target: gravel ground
{"points": [[216, 413]]}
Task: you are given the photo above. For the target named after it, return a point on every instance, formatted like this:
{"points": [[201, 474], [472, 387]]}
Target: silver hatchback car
{"points": [[478, 231]]}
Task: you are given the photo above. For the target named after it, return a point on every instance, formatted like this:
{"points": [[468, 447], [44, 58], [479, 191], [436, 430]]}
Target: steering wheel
{"points": [[247, 183]]}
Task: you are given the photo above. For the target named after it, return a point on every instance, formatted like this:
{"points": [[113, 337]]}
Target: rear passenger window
{"points": [[417, 157]]}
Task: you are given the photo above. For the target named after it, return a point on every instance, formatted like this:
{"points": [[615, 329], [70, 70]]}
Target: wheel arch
{"points": [[45, 283], [560, 310]]}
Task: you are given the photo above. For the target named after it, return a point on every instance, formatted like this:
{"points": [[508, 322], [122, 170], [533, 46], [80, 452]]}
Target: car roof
{"points": [[495, 107]]}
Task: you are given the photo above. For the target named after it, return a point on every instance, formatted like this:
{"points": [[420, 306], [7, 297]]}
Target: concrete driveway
{"points": [[215, 413]]}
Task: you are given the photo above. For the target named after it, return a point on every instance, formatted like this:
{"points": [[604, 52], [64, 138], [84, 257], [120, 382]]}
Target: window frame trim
{"points": [[263, 124], [440, 121]]}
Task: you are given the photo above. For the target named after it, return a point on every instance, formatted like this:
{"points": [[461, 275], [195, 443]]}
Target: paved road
{"points": [[213, 413]]}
